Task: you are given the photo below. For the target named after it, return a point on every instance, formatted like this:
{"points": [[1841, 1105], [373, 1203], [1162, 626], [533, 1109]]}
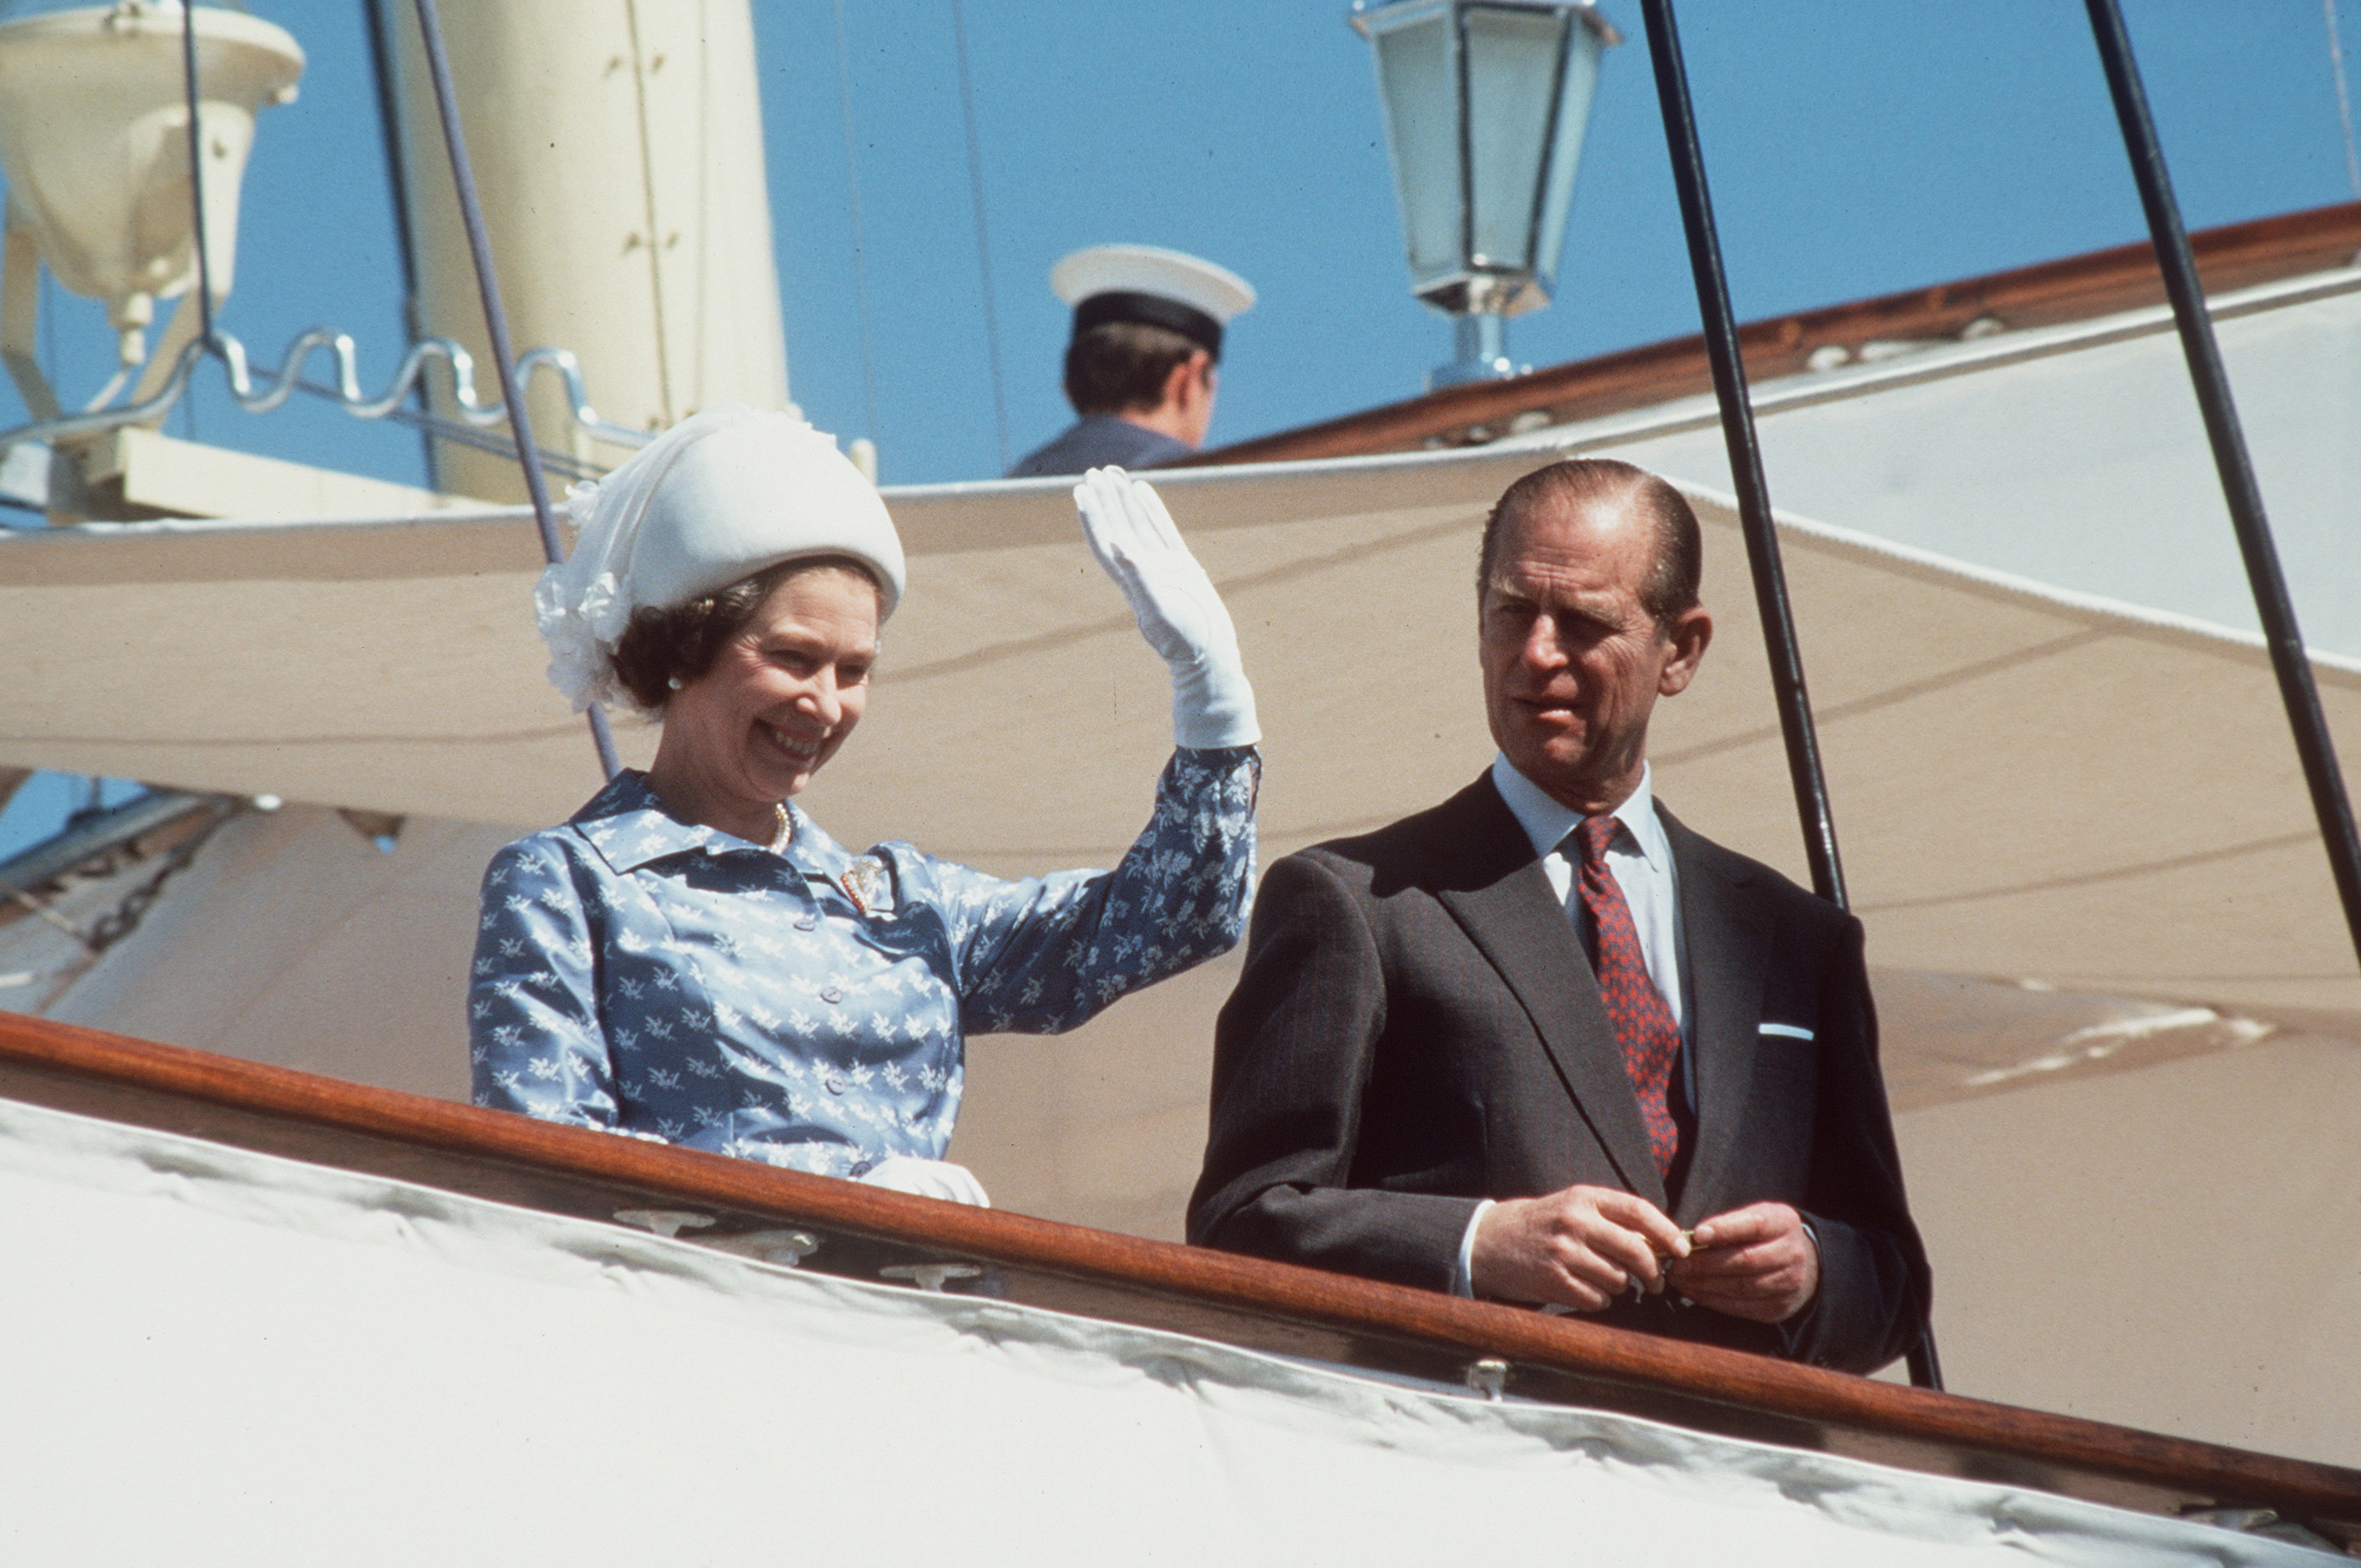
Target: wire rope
{"points": [[196, 171], [860, 249], [982, 235], [2344, 98]]}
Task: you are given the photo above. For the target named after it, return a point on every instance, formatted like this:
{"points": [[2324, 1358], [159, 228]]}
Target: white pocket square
{"points": [[1788, 1031]]}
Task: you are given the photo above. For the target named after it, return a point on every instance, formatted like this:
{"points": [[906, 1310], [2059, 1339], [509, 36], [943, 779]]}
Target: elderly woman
{"points": [[691, 957]]}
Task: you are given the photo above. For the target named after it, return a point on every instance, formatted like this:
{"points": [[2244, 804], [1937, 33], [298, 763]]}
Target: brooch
{"points": [[866, 883]]}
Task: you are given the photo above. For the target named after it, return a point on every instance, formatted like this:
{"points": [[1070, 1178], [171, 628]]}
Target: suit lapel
{"points": [[1728, 948], [1495, 888]]}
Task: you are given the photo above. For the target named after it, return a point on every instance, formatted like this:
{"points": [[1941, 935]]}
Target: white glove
{"points": [[928, 1179], [1178, 611]]}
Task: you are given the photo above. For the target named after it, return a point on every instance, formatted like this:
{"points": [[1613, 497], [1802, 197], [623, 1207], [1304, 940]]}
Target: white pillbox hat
{"points": [[720, 496]]}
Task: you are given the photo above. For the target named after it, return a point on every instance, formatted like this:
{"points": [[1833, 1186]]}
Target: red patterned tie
{"points": [[1644, 1023]]}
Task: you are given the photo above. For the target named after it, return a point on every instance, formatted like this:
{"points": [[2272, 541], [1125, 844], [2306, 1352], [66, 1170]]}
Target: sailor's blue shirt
{"points": [[808, 1007]]}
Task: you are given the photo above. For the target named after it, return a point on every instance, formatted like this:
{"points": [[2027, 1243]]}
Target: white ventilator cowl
{"points": [[719, 497]]}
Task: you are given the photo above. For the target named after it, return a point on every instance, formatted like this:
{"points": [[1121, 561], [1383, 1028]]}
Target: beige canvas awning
{"points": [[2027, 784]]}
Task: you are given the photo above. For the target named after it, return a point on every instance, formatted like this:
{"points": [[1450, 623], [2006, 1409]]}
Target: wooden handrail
{"points": [[2074, 287], [1261, 1305]]}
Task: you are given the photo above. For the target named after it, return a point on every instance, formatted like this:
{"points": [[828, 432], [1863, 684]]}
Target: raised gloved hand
{"points": [[928, 1179], [1178, 611]]}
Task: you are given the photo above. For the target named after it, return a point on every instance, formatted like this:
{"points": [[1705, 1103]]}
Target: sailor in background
{"points": [[1140, 366]]}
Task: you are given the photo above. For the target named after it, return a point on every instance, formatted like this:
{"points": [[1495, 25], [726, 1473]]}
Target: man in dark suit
{"points": [[1544, 1043]]}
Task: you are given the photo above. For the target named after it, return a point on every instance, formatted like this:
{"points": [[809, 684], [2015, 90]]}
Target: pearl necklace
{"points": [[787, 832]]}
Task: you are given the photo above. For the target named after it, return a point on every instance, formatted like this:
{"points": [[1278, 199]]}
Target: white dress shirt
{"points": [[1640, 858]]}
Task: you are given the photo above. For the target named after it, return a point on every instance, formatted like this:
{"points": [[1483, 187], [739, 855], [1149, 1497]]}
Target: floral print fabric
{"points": [[809, 1007]]}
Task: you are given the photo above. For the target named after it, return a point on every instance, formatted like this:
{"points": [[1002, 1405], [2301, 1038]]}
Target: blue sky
{"points": [[1855, 148]]}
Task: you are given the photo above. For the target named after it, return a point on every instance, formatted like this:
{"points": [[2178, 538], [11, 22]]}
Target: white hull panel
{"points": [[269, 1362]]}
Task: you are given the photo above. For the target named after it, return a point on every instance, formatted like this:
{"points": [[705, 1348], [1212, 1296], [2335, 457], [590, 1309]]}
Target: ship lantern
{"points": [[1486, 103], [94, 144]]}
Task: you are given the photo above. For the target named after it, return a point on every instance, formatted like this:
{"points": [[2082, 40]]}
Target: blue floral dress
{"points": [[809, 1007]]}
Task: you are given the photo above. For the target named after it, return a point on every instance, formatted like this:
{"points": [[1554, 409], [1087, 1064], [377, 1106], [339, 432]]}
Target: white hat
{"points": [[1157, 287], [720, 496]]}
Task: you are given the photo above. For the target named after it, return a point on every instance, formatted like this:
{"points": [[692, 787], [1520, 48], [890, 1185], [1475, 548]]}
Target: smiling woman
{"points": [[690, 958], [766, 680]]}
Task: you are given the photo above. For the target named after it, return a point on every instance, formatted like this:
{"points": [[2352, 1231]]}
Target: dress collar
{"points": [[629, 827]]}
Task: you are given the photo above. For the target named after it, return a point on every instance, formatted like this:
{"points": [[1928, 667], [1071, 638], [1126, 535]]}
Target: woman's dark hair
{"points": [[680, 641]]}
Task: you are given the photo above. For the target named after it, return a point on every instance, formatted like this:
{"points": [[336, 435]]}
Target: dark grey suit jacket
{"points": [[1417, 1028]]}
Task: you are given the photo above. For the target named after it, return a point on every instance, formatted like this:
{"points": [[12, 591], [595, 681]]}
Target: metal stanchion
{"points": [[2330, 804], [1745, 459], [1804, 769]]}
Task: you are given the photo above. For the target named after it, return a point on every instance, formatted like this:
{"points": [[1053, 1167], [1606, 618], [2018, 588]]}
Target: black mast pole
{"points": [[496, 327], [1804, 769], [1745, 457], [2276, 612]]}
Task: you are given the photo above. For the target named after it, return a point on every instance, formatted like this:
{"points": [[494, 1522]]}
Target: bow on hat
{"points": [[720, 496]]}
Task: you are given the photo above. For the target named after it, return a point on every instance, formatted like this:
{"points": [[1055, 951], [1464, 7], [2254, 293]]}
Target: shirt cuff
{"points": [[1463, 1269]]}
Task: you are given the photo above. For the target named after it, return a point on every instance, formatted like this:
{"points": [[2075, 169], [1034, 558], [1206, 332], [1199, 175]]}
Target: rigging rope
{"points": [[2344, 99], [859, 251], [196, 171], [983, 237]]}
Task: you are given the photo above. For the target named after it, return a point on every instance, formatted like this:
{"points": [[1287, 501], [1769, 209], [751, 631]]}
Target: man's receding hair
{"points": [[1672, 586], [1121, 366]]}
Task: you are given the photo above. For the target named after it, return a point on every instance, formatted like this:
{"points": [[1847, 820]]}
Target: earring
{"points": [[674, 682]]}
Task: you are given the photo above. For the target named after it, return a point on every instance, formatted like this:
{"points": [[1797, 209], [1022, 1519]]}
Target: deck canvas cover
{"points": [[223, 1357]]}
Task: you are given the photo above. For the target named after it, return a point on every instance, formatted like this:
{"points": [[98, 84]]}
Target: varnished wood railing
{"points": [[1262, 1306], [2076, 288]]}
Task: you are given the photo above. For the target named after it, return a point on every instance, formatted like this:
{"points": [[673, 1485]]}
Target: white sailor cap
{"points": [[1145, 283]]}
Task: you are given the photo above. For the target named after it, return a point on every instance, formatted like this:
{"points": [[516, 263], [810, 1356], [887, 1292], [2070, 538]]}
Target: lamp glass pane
{"points": [[1566, 151], [1418, 77], [1512, 62]]}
